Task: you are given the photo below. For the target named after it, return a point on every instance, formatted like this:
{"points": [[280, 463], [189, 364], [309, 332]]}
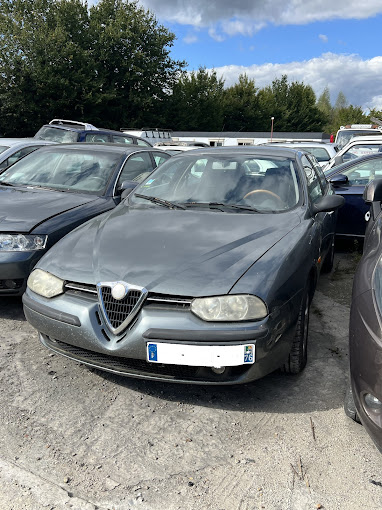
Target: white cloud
{"points": [[248, 16], [190, 39], [324, 38], [358, 79]]}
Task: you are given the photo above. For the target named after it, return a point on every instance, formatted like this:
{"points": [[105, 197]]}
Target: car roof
{"points": [[102, 147], [257, 150], [80, 129]]}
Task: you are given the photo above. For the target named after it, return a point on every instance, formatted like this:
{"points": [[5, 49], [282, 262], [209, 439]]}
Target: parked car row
{"points": [[198, 268]]}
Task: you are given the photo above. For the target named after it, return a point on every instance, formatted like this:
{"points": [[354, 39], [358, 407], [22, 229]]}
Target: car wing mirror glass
{"points": [[339, 180], [338, 160], [126, 188]]}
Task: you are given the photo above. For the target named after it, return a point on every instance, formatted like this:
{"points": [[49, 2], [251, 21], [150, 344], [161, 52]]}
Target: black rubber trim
{"points": [[203, 335], [67, 318]]}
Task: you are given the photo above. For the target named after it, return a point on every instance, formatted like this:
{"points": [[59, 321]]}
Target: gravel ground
{"points": [[74, 438]]}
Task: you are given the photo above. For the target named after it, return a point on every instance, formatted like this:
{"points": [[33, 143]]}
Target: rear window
{"points": [[56, 135]]}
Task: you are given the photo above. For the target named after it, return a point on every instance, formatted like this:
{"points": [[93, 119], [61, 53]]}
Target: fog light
{"points": [[218, 370], [372, 402], [10, 284]]}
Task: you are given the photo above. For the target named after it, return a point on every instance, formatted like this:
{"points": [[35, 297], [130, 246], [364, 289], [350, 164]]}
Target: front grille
{"points": [[118, 310]]}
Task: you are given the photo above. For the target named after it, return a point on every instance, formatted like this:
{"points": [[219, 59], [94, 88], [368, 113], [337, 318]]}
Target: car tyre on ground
{"points": [[298, 354], [349, 405]]}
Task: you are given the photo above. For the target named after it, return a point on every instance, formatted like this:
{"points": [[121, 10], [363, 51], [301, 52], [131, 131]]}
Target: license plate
{"points": [[201, 355]]}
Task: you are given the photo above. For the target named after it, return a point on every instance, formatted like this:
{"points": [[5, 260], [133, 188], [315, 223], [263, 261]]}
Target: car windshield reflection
{"points": [[63, 170], [253, 182]]}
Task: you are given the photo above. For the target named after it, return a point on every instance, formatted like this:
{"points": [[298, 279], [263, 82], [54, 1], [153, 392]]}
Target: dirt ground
{"points": [[73, 438]]}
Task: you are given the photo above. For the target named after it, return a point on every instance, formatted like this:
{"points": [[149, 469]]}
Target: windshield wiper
{"points": [[221, 206], [4, 183], [159, 201]]}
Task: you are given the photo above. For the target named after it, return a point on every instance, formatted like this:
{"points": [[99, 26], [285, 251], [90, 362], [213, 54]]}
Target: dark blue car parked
{"points": [[68, 131], [349, 180]]}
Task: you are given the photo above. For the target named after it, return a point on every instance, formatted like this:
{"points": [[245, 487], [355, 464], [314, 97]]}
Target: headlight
{"points": [[229, 308], [21, 242], [45, 284]]}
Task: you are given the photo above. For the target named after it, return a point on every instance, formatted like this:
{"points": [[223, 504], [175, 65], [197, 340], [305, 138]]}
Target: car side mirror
{"points": [[339, 180], [126, 188], [328, 203], [373, 195], [373, 191], [338, 160]]}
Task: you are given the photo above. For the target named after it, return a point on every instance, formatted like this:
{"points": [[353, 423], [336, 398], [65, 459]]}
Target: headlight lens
{"points": [[21, 242], [45, 284], [229, 308]]}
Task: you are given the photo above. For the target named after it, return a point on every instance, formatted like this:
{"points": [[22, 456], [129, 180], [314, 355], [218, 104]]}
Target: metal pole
{"points": [[272, 119]]}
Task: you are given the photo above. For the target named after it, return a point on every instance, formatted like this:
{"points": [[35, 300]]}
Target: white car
{"points": [[13, 149], [322, 151], [358, 146]]}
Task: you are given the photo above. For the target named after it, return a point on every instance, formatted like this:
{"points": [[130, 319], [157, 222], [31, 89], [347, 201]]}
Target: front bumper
{"points": [[15, 268], [72, 325], [366, 362]]}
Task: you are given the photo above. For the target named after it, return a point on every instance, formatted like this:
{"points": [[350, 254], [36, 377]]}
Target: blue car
{"points": [[68, 131], [349, 180]]}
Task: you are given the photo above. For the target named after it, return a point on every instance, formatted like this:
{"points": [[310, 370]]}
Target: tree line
{"points": [[110, 64]]}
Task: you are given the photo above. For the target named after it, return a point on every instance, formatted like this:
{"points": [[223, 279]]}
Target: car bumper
{"points": [[366, 362], [15, 268], [72, 325]]}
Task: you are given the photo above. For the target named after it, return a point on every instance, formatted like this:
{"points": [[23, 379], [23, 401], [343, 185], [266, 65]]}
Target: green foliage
{"points": [[196, 102], [241, 106], [109, 64]]}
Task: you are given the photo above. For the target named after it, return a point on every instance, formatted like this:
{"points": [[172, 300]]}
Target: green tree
{"points": [[196, 102], [109, 64], [241, 106]]}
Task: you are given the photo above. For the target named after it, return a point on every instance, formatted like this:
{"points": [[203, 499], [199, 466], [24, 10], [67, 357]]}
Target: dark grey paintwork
{"points": [[176, 253], [365, 329]]}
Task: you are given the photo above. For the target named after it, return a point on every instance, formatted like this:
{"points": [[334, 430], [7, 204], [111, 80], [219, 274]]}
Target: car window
{"points": [[264, 184], [17, 155], [361, 150], [136, 168], [314, 186], [363, 173], [160, 157], [142, 142], [319, 172], [319, 153], [65, 170], [122, 139], [56, 135], [97, 137]]}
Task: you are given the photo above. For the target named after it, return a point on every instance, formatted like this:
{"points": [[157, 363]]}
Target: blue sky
{"points": [[334, 44]]}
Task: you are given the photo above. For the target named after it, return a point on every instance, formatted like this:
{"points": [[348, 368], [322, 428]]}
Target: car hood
{"points": [[176, 252], [22, 209]]}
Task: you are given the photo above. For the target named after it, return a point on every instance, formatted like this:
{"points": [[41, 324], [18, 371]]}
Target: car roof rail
{"points": [[73, 123]]}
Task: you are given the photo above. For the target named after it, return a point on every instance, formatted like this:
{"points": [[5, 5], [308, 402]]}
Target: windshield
{"points": [[344, 136], [231, 181], [63, 169], [56, 135]]}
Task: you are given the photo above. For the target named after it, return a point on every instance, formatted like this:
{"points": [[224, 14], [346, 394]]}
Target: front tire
{"points": [[298, 354]]}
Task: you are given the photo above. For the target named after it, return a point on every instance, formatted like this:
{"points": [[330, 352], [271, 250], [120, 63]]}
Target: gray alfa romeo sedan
{"points": [[204, 274]]}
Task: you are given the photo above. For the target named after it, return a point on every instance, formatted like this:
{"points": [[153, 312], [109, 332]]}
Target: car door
{"points": [[318, 187], [351, 217]]}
